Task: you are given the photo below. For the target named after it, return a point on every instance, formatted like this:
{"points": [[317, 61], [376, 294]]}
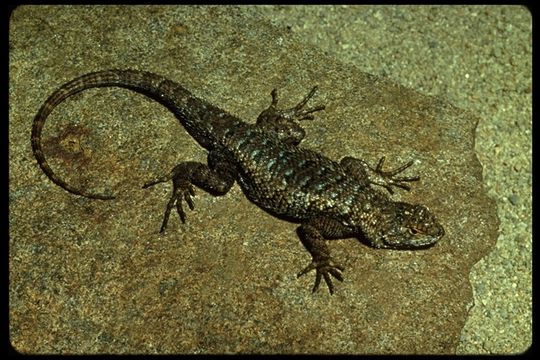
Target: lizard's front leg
{"points": [[216, 178], [313, 235]]}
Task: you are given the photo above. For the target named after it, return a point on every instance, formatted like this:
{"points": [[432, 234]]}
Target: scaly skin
{"points": [[329, 199]]}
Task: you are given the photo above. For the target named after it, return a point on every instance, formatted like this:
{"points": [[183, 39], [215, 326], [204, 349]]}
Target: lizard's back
{"points": [[286, 179]]}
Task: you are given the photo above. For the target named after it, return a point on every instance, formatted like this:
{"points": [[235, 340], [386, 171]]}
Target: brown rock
{"points": [[96, 276]]}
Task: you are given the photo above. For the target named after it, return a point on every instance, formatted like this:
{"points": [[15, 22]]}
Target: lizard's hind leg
{"points": [[217, 178], [182, 189], [284, 122], [367, 175]]}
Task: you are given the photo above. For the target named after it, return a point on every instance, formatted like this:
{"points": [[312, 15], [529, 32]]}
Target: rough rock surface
{"points": [[96, 276]]}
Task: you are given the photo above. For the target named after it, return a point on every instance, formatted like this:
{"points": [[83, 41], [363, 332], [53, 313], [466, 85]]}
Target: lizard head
{"points": [[404, 226]]}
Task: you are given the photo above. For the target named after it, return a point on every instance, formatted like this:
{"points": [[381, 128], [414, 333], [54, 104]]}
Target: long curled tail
{"points": [[144, 82]]}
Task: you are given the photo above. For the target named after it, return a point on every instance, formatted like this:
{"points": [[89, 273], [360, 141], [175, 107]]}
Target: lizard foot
{"points": [[179, 192], [387, 179], [297, 112], [183, 190], [324, 268]]}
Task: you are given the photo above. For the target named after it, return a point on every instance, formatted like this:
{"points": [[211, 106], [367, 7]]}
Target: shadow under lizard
{"points": [[329, 199]]}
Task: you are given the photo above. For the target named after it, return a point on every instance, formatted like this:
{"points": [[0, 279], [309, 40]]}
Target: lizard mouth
{"points": [[417, 239], [422, 243], [425, 241]]}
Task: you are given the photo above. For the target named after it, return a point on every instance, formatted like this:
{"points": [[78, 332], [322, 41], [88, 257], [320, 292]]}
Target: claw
{"points": [[389, 176], [318, 282], [296, 113], [187, 196], [158, 180], [181, 212], [305, 115], [304, 101], [335, 273], [170, 204], [324, 269], [274, 97], [328, 282], [308, 268], [182, 190]]}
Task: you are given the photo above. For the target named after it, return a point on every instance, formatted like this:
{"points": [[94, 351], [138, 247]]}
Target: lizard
{"points": [[328, 199]]}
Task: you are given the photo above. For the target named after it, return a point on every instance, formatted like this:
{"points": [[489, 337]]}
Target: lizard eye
{"points": [[413, 231]]}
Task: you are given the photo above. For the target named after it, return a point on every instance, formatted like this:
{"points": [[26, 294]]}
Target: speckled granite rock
{"points": [[94, 276]]}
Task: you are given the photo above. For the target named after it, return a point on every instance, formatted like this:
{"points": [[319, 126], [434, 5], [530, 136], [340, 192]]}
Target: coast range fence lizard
{"points": [[329, 199]]}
